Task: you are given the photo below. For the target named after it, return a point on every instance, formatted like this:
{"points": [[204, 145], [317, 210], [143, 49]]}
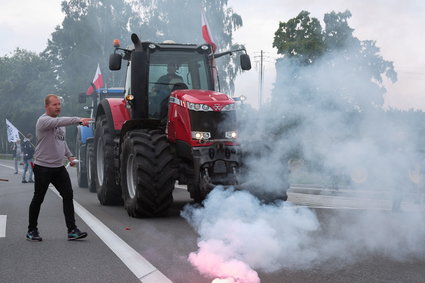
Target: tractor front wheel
{"points": [[148, 174]]}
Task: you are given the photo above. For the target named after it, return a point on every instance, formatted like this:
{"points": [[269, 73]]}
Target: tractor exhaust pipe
{"points": [[136, 41]]}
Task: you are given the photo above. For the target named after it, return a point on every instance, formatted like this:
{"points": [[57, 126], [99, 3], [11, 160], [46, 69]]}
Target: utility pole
{"points": [[261, 80], [264, 58]]}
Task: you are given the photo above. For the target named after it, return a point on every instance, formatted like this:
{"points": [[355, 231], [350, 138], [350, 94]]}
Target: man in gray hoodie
{"points": [[50, 151]]}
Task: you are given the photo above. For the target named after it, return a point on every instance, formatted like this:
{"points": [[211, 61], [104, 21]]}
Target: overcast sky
{"points": [[395, 25]]}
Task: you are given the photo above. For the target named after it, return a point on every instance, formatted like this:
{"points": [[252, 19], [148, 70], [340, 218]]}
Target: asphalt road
{"points": [[166, 242]]}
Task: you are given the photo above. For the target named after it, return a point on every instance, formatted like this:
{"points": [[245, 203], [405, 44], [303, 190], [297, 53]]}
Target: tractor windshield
{"points": [[171, 70]]}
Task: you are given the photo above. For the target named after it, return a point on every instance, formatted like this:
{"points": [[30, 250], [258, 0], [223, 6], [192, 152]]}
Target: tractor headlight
{"points": [[201, 135], [198, 107], [231, 135]]}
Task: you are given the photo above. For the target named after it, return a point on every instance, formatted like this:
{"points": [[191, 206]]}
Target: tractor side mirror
{"points": [[115, 62], [245, 62], [82, 97]]}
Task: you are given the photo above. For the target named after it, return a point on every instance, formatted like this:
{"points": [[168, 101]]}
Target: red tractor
{"points": [[171, 125]]}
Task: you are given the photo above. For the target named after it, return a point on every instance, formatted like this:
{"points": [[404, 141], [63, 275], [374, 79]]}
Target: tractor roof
{"points": [[111, 90], [203, 48]]}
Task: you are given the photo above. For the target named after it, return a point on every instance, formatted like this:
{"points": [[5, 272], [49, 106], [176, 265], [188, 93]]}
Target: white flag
{"points": [[12, 132]]}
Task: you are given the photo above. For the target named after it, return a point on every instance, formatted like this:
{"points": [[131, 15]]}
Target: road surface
{"points": [[124, 249]]}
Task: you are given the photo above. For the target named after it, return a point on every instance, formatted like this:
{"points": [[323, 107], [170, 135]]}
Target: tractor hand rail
{"points": [[218, 55]]}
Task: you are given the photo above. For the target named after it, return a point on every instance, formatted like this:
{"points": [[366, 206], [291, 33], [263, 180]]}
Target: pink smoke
{"points": [[212, 262]]}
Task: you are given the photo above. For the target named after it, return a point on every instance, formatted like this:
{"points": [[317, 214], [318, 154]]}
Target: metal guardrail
{"points": [[6, 156]]}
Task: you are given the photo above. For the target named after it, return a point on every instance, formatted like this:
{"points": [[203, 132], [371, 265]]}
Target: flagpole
{"points": [[19, 132], [25, 137]]}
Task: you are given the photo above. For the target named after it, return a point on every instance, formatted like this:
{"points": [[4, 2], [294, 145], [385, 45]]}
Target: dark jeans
{"points": [[60, 179]]}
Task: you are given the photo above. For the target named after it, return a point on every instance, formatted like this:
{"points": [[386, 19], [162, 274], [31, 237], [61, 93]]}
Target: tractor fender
{"points": [[115, 111]]}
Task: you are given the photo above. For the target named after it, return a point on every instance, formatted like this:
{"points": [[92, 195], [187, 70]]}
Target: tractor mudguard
{"points": [[115, 111], [86, 133]]}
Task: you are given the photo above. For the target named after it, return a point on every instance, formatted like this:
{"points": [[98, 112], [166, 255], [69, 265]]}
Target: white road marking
{"points": [[13, 168], [3, 219], [143, 269], [10, 167]]}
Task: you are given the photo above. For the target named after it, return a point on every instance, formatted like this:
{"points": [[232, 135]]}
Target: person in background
{"points": [[50, 151], [17, 153], [28, 153]]}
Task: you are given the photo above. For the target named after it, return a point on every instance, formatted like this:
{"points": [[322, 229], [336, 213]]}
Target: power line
{"points": [[261, 59]]}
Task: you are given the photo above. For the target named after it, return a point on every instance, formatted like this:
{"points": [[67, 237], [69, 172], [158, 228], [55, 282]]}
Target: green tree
{"points": [[329, 66], [25, 78], [301, 38], [85, 36], [83, 40]]}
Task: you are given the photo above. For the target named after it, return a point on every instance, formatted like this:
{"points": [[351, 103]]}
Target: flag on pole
{"points": [[206, 32], [12, 132], [97, 81]]}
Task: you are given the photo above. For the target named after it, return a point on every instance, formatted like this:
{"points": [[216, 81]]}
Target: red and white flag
{"points": [[206, 32], [97, 81]]}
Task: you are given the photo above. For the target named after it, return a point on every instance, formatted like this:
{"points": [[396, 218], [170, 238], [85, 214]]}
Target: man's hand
{"points": [[85, 122], [71, 161]]}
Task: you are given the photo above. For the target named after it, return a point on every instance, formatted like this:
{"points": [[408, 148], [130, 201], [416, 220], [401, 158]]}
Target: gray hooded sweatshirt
{"points": [[51, 145]]}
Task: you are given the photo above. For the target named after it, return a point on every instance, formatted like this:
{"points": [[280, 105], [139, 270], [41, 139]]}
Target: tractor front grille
{"points": [[217, 123]]}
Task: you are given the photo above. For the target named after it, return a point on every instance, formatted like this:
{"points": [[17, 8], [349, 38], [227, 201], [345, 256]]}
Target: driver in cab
{"points": [[165, 85], [171, 75]]}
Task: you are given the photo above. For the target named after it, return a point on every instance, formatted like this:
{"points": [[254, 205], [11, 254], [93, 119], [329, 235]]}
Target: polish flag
{"points": [[206, 32], [97, 81]]}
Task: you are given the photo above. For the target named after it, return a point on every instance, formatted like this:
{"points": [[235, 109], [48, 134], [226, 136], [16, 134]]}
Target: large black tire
{"points": [[196, 194], [80, 149], [197, 191], [148, 174], [108, 192], [90, 168]]}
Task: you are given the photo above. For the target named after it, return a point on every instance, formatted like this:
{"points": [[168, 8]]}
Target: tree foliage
{"points": [[300, 37], [26, 78], [85, 37], [165, 20], [329, 64]]}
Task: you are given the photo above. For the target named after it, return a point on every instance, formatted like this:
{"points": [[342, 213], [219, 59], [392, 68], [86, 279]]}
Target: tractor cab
{"points": [[156, 70]]}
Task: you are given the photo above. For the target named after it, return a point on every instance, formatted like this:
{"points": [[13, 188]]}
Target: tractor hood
{"points": [[213, 99]]}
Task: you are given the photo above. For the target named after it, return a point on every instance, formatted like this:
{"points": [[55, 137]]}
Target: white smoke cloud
{"points": [[341, 135], [239, 235]]}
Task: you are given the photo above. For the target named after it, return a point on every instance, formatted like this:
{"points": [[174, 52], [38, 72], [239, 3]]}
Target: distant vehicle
{"points": [[85, 135]]}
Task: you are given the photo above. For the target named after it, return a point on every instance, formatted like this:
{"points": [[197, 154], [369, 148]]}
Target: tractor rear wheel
{"points": [[90, 168], [148, 173], [108, 192]]}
